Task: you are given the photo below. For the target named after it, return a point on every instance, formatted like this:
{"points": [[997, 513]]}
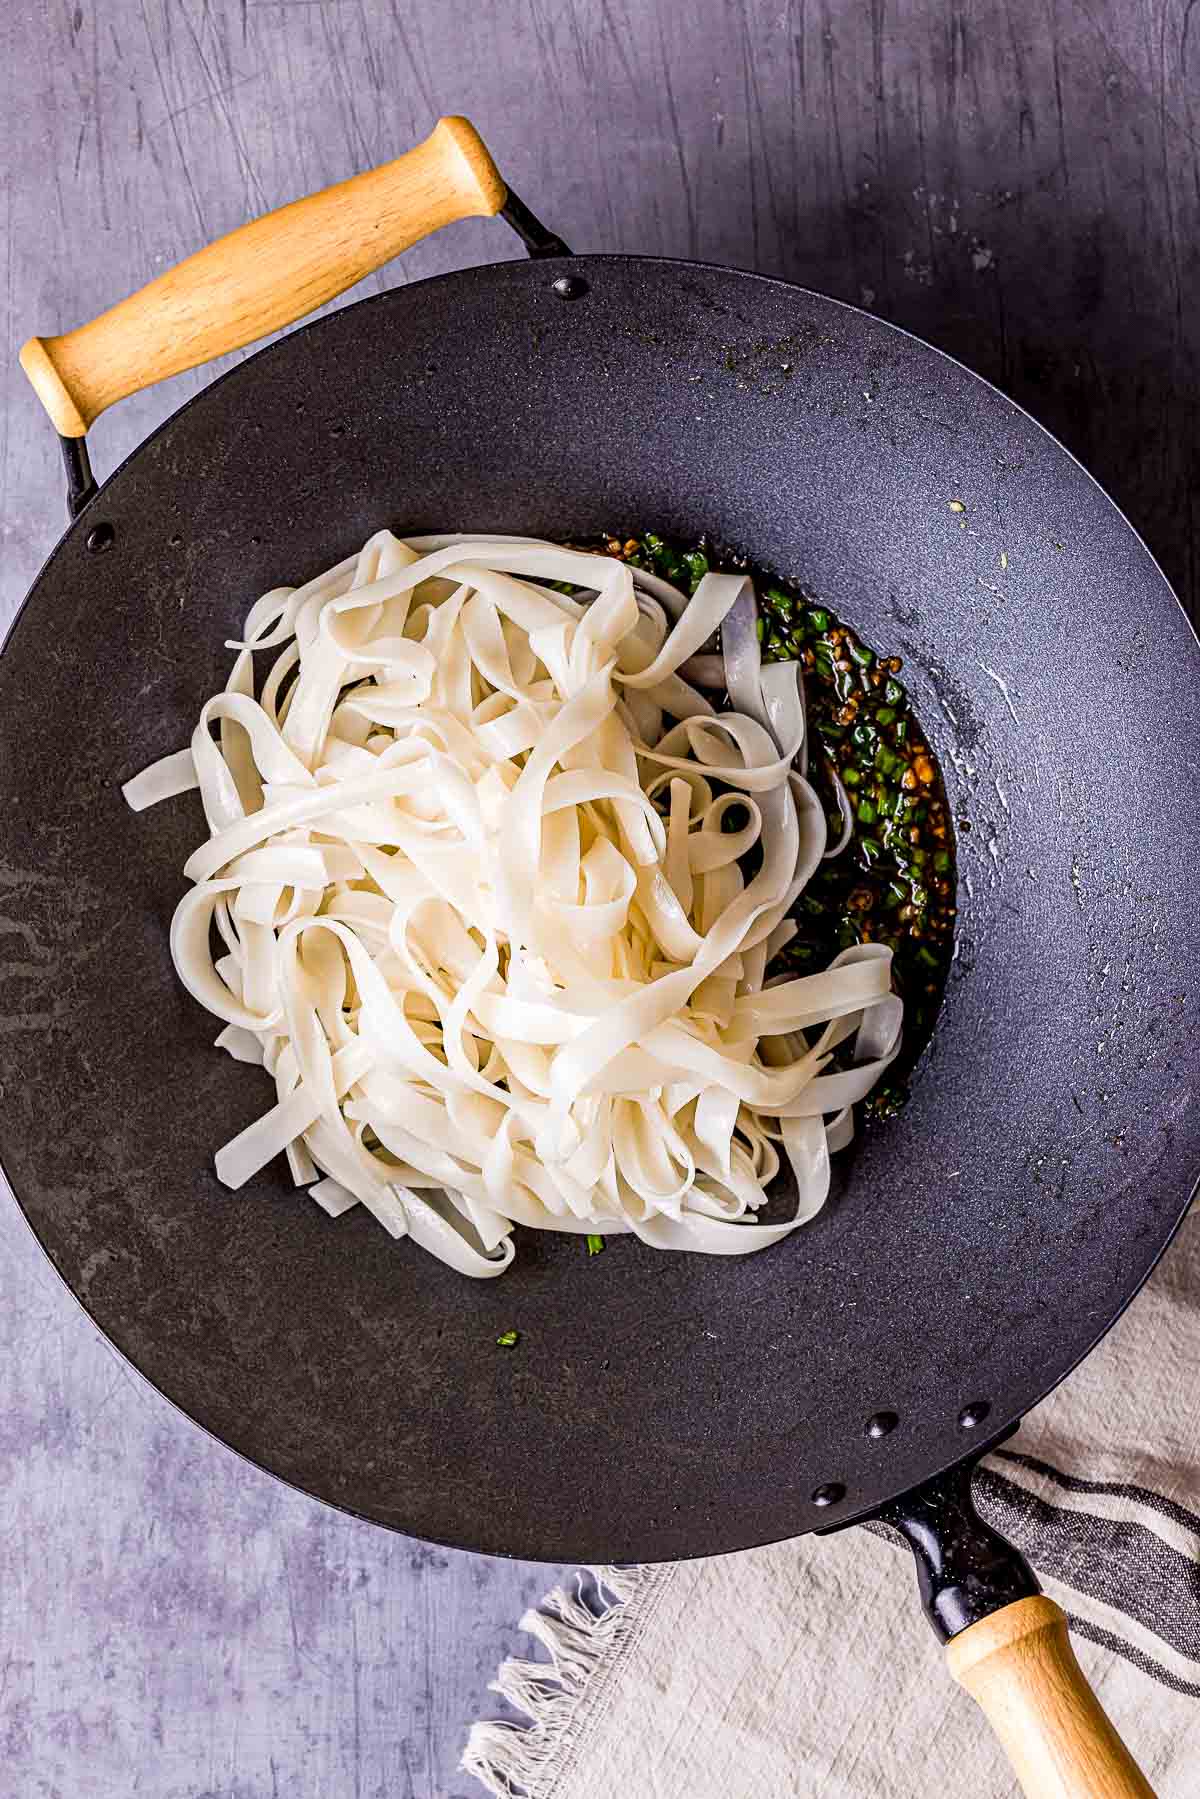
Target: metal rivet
{"points": [[829, 1494], [974, 1414], [570, 287], [100, 538], [882, 1424]]}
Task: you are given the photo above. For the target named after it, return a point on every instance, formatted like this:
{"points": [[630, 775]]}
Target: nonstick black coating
{"points": [[656, 1405]]}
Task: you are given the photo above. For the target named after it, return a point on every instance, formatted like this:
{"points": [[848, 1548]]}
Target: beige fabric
{"points": [[807, 1669]]}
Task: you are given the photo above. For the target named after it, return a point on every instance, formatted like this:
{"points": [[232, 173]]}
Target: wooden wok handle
{"points": [[264, 275], [1019, 1665]]}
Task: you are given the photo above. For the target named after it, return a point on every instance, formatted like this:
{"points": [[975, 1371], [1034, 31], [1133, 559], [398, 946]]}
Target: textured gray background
{"points": [[1018, 182]]}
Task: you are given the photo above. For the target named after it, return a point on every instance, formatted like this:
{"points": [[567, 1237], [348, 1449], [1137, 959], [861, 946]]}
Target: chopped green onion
{"points": [[696, 563], [594, 1245], [895, 860], [506, 1339]]}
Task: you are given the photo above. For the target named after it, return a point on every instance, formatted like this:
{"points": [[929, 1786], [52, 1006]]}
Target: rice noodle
{"points": [[475, 861]]}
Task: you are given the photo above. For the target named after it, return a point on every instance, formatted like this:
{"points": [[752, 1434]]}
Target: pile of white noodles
{"points": [[475, 859]]}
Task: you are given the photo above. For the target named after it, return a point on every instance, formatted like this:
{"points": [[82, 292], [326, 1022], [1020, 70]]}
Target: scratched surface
{"points": [[1018, 182]]}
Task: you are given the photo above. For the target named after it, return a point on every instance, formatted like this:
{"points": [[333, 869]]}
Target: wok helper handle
{"points": [[264, 275], [1019, 1666]]}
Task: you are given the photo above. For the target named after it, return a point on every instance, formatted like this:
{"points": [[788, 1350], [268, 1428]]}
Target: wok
{"points": [[658, 1406]]}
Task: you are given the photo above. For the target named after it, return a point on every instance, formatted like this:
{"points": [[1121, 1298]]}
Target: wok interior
{"points": [[657, 1405]]}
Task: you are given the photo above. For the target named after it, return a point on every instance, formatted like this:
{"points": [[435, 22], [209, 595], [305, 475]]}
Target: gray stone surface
{"points": [[180, 1626], [1016, 181]]}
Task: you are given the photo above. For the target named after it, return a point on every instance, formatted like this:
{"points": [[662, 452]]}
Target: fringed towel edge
{"points": [[517, 1761]]}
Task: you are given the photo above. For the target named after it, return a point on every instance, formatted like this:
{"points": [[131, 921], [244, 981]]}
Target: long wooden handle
{"points": [[263, 276], [1019, 1665]]}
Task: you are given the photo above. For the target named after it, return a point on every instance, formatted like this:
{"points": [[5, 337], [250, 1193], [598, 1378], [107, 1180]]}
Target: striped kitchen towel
{"points": [[808, 1669]]}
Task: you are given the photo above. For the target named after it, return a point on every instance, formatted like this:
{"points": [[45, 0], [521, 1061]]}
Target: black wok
{"points": [[658, 1405]]}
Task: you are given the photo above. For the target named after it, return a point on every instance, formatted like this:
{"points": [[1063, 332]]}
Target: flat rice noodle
{"points": [[481, 917]]}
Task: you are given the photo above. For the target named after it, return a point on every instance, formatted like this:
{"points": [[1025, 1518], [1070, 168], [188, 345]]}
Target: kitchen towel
{"points": [[807, 1669]]}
